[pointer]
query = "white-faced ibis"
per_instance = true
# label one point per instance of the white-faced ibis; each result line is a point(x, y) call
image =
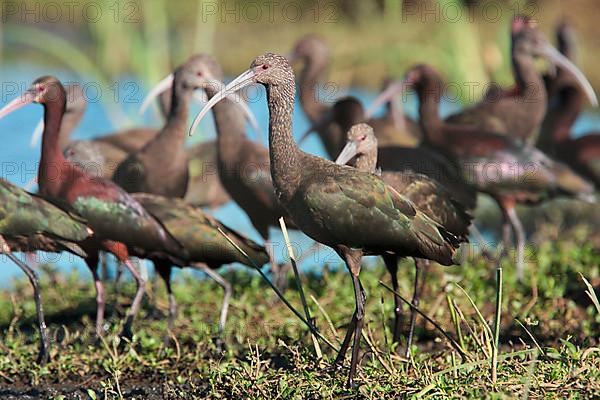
point(29, 223)
point(74, 111)
point(508, 171)
point(520, 114)
point(423, 159)
point(103, 154)
point(207, 248)
point(121, 225)
point(243, 165)
point(566, 101)
point(353, 212)
point(426, 193)
point(161, 165)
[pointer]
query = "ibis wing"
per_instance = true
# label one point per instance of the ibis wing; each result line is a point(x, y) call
point(22, 213)
point(361, 211)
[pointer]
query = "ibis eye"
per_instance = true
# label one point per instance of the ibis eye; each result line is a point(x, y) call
point(265, 66)
point(199, 73)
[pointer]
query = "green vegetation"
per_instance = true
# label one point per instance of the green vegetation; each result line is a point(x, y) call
point(112, 38)
point(549, 346)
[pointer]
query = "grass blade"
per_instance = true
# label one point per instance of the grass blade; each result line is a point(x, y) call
point(290, 250)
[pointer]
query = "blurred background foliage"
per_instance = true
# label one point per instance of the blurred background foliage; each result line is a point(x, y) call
point(108, 39)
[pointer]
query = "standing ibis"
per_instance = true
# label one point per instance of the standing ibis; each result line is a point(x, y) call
point(121, 225)
point(351, 211)
point(426, 193)
point(30, 223)
point(520, 114)
point(566, 102)
point(243, 165)
point(510, 172)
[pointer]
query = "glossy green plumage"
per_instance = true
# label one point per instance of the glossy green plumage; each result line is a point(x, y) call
point(360, 210)
point(198, 233)
point(22, 213)
point(30, 223)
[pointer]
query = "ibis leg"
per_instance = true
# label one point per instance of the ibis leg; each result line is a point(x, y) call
point(421, 266)
point(164, 270)
point(391, 263)
point(339, 360)
point(43, 355)
point(226, 298)
point(359, 297)
point(137, 300)
point(520, 237)
point(92, 263)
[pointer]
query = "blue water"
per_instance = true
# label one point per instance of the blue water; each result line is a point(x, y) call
point(20, 161)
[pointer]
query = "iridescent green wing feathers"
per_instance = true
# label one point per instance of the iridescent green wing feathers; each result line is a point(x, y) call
point(359, 209)
point(198, 233)
point(25, 214)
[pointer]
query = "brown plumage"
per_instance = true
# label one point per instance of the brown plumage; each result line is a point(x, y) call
point(421, 160)
point(243, 165)
point(121, 225)
point(519, 113)
point(427, 194)
point(566, 102)
point(353, 212)
point(497, 165)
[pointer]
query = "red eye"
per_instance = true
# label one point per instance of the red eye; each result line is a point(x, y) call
point(361, 138)
point(199, 74)
point(265, 66)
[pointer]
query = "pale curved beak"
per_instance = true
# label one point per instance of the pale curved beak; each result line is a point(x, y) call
point(202, 97)
point(36, 136)
point(244, 79)
point(348, 152)
point(563, 62)
point(160, 87)
point(389, 94)
point(30, 184)
point(27, 98)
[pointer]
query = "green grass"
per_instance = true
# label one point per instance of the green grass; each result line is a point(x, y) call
point(366, 45)
point(548, 336)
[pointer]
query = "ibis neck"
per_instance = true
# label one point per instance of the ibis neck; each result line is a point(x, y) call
point(366, 162)
point(308, 88)
point(231, 128)
point(570, 103)
point(283, 151)
point(54, 168)
point(174, 131)
point(429, 117)
point(529, 81)
point(70, 120)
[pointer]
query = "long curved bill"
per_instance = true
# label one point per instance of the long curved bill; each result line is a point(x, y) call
point(244, 79)
point(563, 62)
point(30, 184)
point(387, 95)
point(27, 98)
point(37, 133)
point(347, 153)
point(202, 97)
point(160, 87)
